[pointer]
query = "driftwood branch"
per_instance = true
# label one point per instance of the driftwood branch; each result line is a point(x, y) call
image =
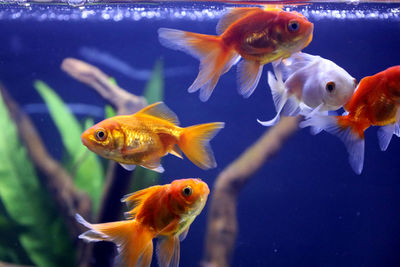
point(125, 102)
point(6, 264)
point(222, 222)
point(118, 179)
point(59, 183)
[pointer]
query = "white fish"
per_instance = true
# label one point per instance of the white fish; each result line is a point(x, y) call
point(307, 84)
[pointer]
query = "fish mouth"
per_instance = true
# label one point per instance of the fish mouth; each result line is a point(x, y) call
point(84, 140)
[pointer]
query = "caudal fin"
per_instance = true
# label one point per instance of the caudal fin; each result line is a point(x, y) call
point(133, 241)
point(215, 57)
point(194, 143)
point(285, 104)
point(343, 128)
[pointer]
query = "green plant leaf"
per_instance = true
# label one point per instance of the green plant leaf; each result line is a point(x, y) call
point(109, 111)
point(86, 167)
point(28, 204)
point(153, 92)
point(11, 249)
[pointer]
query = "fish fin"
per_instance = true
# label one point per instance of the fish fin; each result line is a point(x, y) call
point(147, 256)
point(154, 167)
point(232, 16)
point(342, 128)
point(215, 57)
point(308, 112)
point(176, 151)
point(277, 88)
point(184, 234)
point(194, 142)
point(134, 200)
point(294, 63)
point(314, 111)
point(397, 129)
point(132, 239)
point(249, 73)
point(168, 251)
point(271, 7)
point(128, 167)
point(159, 110)
point(279, 96)
point(385, 134)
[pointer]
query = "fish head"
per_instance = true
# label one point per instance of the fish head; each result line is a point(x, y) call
point(392, 75)
point(103, 138)
point(292, 31)
point(337, 87)
point(188, 196)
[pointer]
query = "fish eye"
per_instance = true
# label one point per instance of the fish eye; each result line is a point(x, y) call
point(100, 135)
point(293, 25)
point(330, 87)
point(187, 191)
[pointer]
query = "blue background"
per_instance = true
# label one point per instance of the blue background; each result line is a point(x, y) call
point(305, 207)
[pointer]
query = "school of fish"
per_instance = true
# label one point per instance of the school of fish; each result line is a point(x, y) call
point(302, 84)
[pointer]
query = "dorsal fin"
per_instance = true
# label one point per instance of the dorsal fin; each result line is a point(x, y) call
point(134, 200)
point(233, 15)
point(160, 110)
point(270, 7)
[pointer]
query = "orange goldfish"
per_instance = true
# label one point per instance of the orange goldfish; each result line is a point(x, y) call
point(149, 134)
point(165, 212)
point(375, 102)
point(257, 35)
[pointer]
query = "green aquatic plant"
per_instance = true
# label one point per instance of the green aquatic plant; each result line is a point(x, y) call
point(86, 167)
point(26, 206)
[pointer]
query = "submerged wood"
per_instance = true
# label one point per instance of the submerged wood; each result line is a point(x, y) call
point(118, 179)
point(6, 264)
point(222, 224)
point(125, 102)
point(68, 199)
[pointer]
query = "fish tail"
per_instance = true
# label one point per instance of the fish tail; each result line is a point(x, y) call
point(348, 130)
point(194, 143)
point(134, 242)
point(215, 57)
point(285, 104)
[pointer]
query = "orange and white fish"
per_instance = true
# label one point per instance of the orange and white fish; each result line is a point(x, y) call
point(162, 211)
point(257, 35)
point(376, 102)
point(149, 134)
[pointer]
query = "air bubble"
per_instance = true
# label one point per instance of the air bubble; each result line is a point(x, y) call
point(76, 3)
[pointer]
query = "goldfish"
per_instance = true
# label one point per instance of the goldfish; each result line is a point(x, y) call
point(149, 134)
point(162, 211)
point(312, 84)
point(375, 102)
point(256, 35)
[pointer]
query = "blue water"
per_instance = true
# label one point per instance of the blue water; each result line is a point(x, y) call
point(305, 207)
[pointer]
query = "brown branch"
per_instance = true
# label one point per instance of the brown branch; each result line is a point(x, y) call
point(118, 179)
point(125, 102)
point(6, 264)
point(222, 222)
point(58, 182)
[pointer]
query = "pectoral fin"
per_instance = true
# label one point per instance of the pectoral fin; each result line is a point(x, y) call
point(128, 167)
point(168, 251)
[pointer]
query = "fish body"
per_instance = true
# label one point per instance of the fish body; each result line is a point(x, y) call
point(375, 102)
point(258, 36)
point(163, 211)
point(146, 136)
point(308, 84)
